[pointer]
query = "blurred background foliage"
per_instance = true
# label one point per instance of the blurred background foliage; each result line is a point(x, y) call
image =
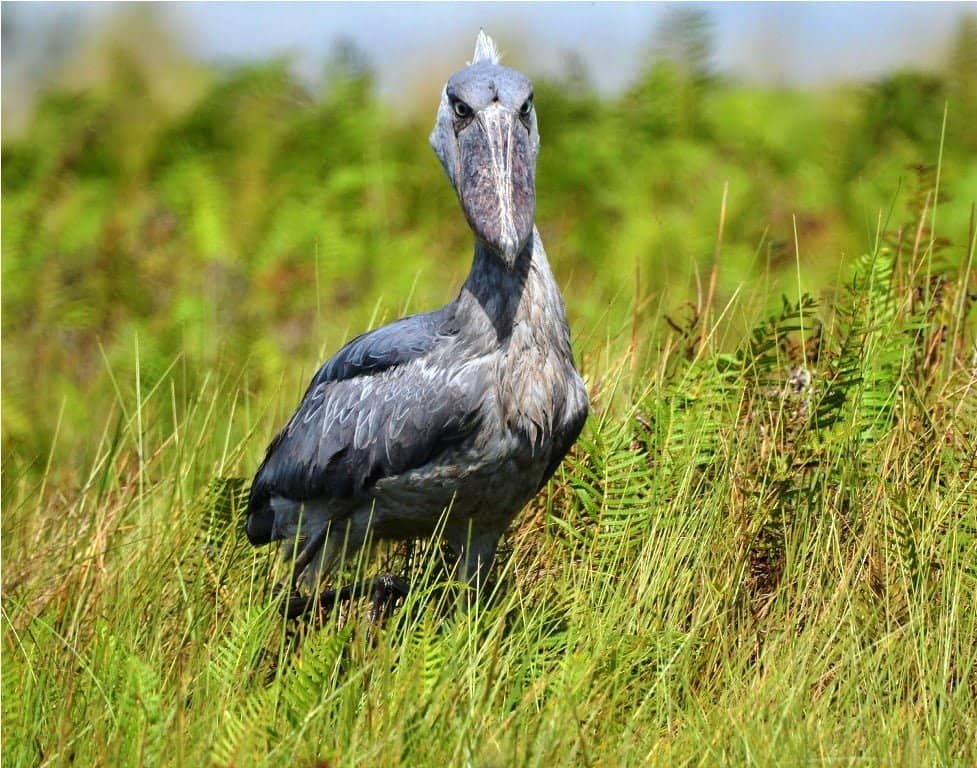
point(235, 224)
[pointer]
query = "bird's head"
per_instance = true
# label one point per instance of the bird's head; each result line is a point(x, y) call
point(487, 140)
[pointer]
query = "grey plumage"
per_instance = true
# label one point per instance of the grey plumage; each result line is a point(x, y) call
point(471, 407)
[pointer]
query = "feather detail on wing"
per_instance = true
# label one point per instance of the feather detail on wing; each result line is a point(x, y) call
point(375, 410)
point(567, 430)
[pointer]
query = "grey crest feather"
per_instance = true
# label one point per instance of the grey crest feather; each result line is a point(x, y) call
point(486, 51)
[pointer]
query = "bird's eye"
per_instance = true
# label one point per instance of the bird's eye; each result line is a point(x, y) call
point(527, 107)
point(462, 110)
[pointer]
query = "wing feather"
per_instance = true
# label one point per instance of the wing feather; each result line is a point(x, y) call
point(375, 410)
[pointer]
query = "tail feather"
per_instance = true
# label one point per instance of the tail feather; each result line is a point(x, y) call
point(260, 522)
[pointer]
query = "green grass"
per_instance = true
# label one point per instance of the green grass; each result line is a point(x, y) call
point(762, 550)
point(728, 570)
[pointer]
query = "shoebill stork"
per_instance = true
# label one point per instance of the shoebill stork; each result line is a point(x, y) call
point(449, 421)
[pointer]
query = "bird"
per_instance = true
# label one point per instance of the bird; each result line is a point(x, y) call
point(446, 422)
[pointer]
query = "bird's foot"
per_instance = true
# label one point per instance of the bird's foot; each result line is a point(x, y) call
point(387, 589)
point(294, 605)
point(384, 591)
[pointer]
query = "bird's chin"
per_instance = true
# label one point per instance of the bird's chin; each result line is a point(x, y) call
point(507, 249)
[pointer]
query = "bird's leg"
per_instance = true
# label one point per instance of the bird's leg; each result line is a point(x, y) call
point(298, 604)
point(475, 558)
point(311, 548)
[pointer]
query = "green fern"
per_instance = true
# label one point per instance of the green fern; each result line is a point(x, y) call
point(313, 674)
point(298, 691)
point(141, 712)
point(235, 655)
point(222, 506)
point(242, 730)
point(611, 489)
point(869, 364)
point(234, 661)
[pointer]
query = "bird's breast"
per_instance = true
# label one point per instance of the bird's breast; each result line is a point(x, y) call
point(532, 379)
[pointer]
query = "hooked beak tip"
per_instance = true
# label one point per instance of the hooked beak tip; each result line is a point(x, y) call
point(510, 251)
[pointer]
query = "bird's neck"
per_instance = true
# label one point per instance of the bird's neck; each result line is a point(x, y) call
point(516, 317)
point(501, 298)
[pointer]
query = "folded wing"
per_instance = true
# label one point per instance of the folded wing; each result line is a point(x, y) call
point(378, 408)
